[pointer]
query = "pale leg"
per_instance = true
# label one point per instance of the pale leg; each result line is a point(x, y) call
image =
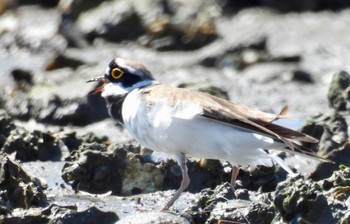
point(234, 174)
point(181, 160)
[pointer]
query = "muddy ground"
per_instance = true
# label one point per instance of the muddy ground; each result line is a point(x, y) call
point(63, 160)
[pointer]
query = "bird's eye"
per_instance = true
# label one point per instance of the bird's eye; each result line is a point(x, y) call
point(116, 73)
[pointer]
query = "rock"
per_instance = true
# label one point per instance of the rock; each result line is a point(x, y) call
point(174, 25)
point(302, 200)
point(339, 179)
point(32, 146)
point(55, 110)
point(76, 7)
point(70, 11)
point(260, 178)
point(112, 21)
point(62, 61)
point(339, 91)
point(18, 188)
point(76, 111)
point(190, 36)
point(73, 142)
point(23, 78)
point(242, 194)
point(38, 145)
point(6, 126)
point(28, 216)
point(91, 169)
point(141, 177)
point(208, 199)
point(71, 31)
point(55, 214)
point(89, 216)
point(324, 201)
point(239, 211)
point(18, 105)
point(244, 55)
point(94, 169)
point(241, 56)
point(302, 76)
point(332, 129)
point(248, 52)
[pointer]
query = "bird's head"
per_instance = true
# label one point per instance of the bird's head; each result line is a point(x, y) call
point(122, 76)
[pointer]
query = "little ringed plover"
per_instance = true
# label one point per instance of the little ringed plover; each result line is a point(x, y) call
point(190, 123)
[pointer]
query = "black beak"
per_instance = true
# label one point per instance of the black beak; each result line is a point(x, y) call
point(97, 79)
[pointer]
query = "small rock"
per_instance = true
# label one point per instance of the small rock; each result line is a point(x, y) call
point(302, 76)
point(240, 211)
point(76, 111)
point(332, 129)
point(19, 188)
point(339, 91)
point(63, 61)
point(259, 177)
point(73, 142)
point(112, 21)
point(6, 126)
point(56, 214)
point(175, 25)
point(32, 146)
point(94, 169)
point(242, 194)
point(23, 78)
point(18, 105)
point(89, 216)
point(208, 199)
point(301, 199)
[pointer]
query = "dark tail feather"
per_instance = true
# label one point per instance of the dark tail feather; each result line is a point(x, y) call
point(304, 151)
point(289, 133)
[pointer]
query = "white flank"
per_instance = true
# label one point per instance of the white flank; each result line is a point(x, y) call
point(181, 129)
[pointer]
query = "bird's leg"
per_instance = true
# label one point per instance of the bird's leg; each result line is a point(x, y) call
point(234, 174)
point(181, 160)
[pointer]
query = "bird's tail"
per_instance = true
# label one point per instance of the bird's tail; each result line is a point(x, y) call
point(301, 158)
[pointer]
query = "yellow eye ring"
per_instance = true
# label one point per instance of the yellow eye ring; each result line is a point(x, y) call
point(116, 73)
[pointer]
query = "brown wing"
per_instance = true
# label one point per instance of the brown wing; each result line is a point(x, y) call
point(253, 120)
point(233, 114)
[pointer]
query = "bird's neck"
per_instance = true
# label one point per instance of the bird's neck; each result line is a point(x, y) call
point(142, 84)
point(115, 95)
point(114, 106)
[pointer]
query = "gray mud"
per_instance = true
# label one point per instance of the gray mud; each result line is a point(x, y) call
point(63, 160)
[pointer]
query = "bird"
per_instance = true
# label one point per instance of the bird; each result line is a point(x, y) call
point(187, 123)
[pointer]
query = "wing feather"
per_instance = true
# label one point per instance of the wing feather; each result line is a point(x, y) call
point(239, 116)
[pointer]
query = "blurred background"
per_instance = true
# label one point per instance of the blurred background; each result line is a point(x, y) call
point(261, 53)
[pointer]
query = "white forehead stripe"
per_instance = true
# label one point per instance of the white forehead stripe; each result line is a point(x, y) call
point(107, 70)
point(122, 63)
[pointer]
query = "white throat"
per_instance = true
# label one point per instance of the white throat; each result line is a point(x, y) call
point(117, 89)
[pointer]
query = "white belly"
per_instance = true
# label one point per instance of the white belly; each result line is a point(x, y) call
point(160, 128)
